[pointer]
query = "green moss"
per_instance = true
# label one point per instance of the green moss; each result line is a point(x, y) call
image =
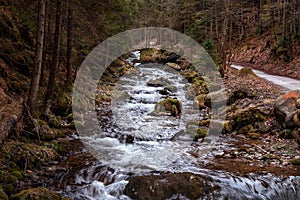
point(37, 194)
point(169, 105)
point(246, 71)
point(60, 148)
point(192, 76)
point(6, 177)
point(3, 195)
point(147, 55)
point(54, 121)
point(227, 127)
point(17, 174)
point(295, 162)
point(205, 122)
point(201, 133)
point(28, 155)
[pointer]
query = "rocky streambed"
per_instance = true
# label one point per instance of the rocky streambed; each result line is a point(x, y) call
point(159, 140)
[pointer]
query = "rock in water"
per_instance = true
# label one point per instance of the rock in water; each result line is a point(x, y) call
point(166, 186)
point(287, 110)
point(158, 82)
point(174, 66)
point(169, 106)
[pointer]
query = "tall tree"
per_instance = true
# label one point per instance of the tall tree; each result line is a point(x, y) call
point(70, 43)
point(34, 85)
point(55, 56)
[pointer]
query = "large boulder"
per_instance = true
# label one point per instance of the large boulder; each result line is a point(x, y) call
point(166, 186)
point(287, 109)
point(205, 100)
point(169, 106)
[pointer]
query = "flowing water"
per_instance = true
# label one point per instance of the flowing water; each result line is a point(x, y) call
point(159, 143)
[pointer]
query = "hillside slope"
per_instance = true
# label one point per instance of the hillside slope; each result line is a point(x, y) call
point(265, 54)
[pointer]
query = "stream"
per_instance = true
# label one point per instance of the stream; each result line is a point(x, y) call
point(160, 143)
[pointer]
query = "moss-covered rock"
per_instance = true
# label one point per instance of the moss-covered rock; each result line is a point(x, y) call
point(6, 177)
point(191, 75)
point(17, 173)
point(54, 121)
point(245, 129)
point(295, 161)
point(37, 194)
point(227, 127)
point(246, 71)
point(165, 186)
point(160, 82)
point(286, 110)
point(174, 66)
point(47, 134)
point(199, 101)
point(247, 116)
point(152, 55)
point(28, 155)
point(201, 133)
point(170, 105)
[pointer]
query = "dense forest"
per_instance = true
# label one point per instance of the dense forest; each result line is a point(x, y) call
point(43, 43)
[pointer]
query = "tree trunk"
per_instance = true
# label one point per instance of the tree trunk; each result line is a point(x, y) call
point(55, 56)
point(70, 44)
point(34, 85)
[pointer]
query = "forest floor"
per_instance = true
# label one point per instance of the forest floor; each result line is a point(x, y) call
point(262, 149)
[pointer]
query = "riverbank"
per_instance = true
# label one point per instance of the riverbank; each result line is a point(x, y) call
point(253, 142)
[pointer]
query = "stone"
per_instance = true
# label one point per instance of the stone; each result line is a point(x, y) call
point(295, 161)
point(247, 116)
point(174, 66)
point(286, 110)
point(54, 121)
point(201, 133)
point(245, 129)
point(216, 99)
point(246, 71)
point(199, 101)
point(298, 103)
point(160, 82)
point(169, 105)
point(129, 139)
point(165, 186)
point(262, 127)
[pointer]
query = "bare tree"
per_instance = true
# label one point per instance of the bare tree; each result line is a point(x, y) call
point(55, 57)
point(70, 43)
point(34, 85)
